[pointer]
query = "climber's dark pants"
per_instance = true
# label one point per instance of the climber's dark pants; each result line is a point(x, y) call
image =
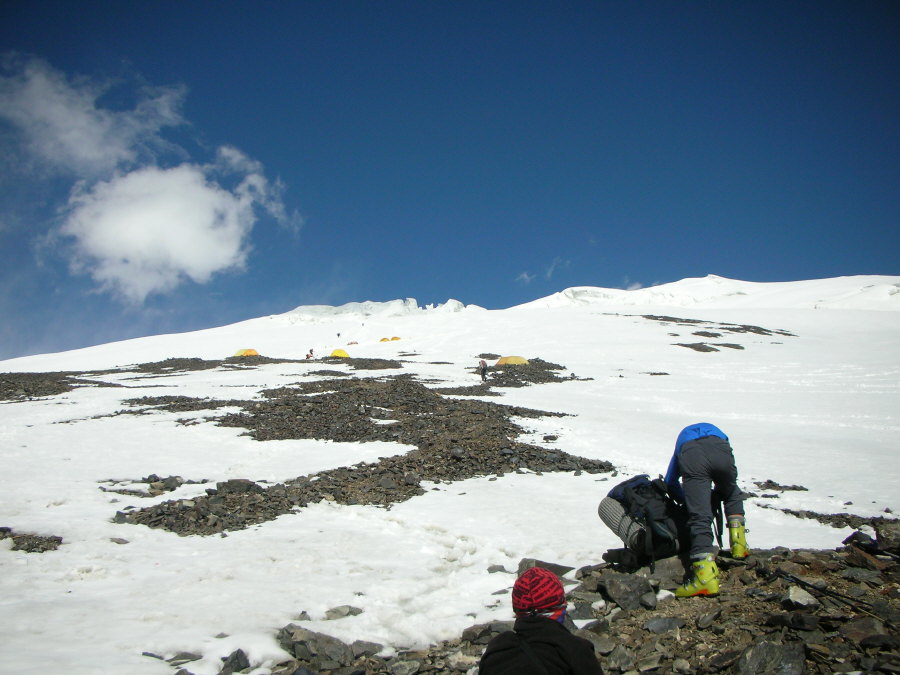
point(703, 463)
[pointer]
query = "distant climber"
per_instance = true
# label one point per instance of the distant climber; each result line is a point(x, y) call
point(539, 642)
point(482, 369)
point(309, 354)
point(703, 458)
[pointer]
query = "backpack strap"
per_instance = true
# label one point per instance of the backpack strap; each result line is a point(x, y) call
point(529, 652)
point(639, 514)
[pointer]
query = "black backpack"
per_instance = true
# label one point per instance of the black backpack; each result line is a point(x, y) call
point(663, 521)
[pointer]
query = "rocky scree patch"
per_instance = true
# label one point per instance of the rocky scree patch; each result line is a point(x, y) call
point(29, 542)
point(25, 386)
point(536, 371)
point(716, 331)
point(454, 440)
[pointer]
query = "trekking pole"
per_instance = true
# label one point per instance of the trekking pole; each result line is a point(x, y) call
point(846, 599)
point(826, 591)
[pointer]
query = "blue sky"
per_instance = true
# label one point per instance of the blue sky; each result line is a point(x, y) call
point(169, 166)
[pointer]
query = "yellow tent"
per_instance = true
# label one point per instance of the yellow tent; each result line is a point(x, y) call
point(385, 340)
point(511, 361)
point(246, 352)
point(395, 338)
point(340, 353)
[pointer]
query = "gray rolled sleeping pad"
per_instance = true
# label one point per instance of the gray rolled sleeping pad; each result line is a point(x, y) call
point(626, 528)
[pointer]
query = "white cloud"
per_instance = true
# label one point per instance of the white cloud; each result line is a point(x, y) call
point(629, 285)
point(525, 278)
point(62, 127)
point(556, 264)
point(135, 226)
point(147, 231)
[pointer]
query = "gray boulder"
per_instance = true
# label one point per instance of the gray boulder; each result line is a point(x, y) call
point(772, 658)
point(626, 590)
point(322, 651)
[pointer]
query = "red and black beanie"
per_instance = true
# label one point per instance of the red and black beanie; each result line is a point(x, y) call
point(537, 591)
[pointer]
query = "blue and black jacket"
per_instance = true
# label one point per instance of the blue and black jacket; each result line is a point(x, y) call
point(691, 433)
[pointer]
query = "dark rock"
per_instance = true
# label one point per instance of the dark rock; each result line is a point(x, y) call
point(770, 658)
point(172, 482)
point(860, 629)
point(365, 648)
point(481, 634)
point(704, 621)
point(887, 535)
point(581, 611)
point(603, 643)
point(235, 662)
point(859, 558)
point(880, 642)
point(770, 484)
point(405, 667)
point(527, 563)
point(860, 574)
point(599, 626)
point(797, 620)
point(862, 540)
point(625, 590)
point(667, 573)
point(798, 598)
point(649, 662)
point(319, 650)
point(388, 483)
point(697, 346)
point(341, 612)
point(662, 624)
point(723, 659)
point(648, 600)
point(184, 657)
point(681, 666)
point(620, 658)
point(887, 611)
point(237, 486)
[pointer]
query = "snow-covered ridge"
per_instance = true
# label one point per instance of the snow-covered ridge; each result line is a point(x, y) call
point(868, 292)
point(316, 313)
point(323, 327)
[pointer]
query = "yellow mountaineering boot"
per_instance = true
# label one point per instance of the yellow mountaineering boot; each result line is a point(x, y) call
point(705, 581)
point(737, 538)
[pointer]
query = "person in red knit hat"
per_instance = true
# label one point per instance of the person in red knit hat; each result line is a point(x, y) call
point(539, 643)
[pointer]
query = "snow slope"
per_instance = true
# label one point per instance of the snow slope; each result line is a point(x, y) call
point(814, 402)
